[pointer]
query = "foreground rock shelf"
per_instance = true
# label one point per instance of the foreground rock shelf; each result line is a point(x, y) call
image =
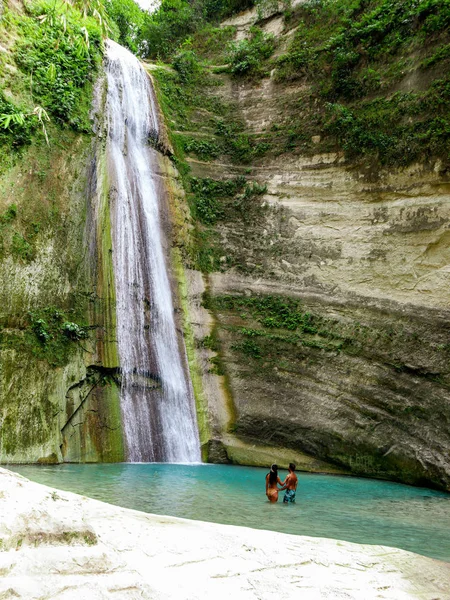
point(63, 546)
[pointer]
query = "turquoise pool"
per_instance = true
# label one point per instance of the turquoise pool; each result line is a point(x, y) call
point(366, 511)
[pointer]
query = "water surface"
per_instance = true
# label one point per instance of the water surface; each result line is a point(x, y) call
point(366, 511)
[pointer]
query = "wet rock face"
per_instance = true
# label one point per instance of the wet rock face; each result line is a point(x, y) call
point(357, 386)
point(58, 357)
point(366, 255)
point(364, 250)
point(368, 388)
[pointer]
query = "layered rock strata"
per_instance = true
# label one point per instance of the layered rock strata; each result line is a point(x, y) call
point(362, 252)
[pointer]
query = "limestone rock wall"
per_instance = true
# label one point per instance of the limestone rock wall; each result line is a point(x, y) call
point(58, 393)
point(363, 250)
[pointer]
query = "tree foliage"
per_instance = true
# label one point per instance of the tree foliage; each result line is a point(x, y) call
point(126, 19)
point(164, 30)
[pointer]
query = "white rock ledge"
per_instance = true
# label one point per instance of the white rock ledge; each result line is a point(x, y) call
point(63, 546)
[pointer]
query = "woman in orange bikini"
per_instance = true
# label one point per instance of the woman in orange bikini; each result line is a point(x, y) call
point(272, 480)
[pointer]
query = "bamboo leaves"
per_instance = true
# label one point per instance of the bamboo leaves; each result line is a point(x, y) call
point(9, 121)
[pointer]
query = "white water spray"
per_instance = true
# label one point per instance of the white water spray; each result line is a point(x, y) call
point(156, 397)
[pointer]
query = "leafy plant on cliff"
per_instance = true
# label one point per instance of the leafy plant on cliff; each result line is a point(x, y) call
point(16, 124)
point(209, 195)
point(51, 336)
point(203, 149)
point(187, 65)
point(354, 56)
point(74, 331)
point(247, 56)
point(61, 50)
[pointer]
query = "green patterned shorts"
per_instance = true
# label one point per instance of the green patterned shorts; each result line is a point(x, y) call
point(289, 496)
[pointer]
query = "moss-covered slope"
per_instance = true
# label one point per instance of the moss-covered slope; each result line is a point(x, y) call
point(58, 373)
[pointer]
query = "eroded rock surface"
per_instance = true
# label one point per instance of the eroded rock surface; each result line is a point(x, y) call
point(363, 250)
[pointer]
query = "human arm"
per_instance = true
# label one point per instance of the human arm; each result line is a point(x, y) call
point(282, 483)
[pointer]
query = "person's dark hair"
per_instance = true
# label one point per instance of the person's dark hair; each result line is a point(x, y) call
point(292, 466)
point(273, 475)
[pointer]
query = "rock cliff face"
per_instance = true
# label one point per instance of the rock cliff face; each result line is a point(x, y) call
point(367, 386)
point(355, 373)
point(314, 294)
point(58, 357)
point(58, 393)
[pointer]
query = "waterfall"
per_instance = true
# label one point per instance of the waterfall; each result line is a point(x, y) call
point(156, 397)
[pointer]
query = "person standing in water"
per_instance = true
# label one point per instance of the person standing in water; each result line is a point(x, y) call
point(272, 481)
point(290, 485)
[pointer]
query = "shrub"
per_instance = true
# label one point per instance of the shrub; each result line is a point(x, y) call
point(61, 50)
point(16, 129)
point(204, 149)
point(208, 197)
point(245, 57)
point(187, 65)
point(249, 348)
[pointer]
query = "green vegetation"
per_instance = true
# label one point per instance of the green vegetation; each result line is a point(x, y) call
point(272, 312)
point(12, 241)
point(175, 21)
point(280, 325)
point(16, 126)
point(247, 56)
point(212, 201)
point(393, 128)
point(61, 50)
point(47, 335)
point(210, 42)
point(54, 49)
point(278, 328)
point(201, 148)
point(215, 200)
point(125, 20)
point(354, 55)
point(185, 95)
point(345, 43)
point(50, 336)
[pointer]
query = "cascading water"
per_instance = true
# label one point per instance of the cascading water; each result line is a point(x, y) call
point(156, 398)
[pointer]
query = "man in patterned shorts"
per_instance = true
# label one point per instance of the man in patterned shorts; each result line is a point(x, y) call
point(290, 485)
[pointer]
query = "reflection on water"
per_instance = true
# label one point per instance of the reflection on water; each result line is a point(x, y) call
point(358, 510)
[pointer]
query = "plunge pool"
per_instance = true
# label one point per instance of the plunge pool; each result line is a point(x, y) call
point(366, 511)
